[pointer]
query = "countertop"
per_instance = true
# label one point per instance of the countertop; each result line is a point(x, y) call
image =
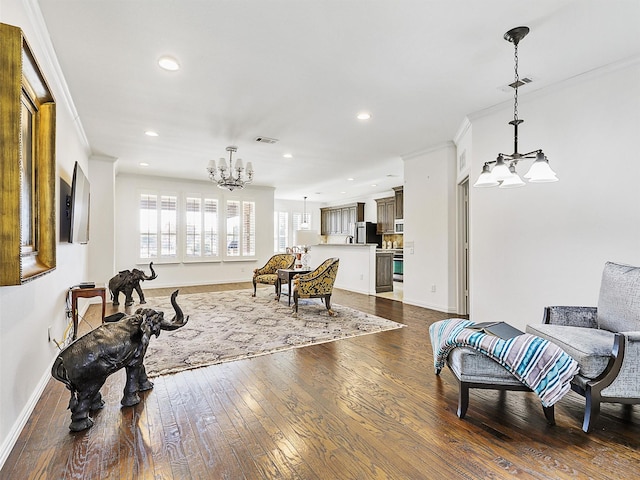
point(346, 245)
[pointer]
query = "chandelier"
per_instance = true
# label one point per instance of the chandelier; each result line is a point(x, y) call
point(233, 179)
point(503, 173)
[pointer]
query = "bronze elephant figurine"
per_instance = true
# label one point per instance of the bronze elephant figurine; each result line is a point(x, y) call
point(126, 281)
point(121, 342)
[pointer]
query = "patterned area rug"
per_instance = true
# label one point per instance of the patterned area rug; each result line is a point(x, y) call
point(232, 325)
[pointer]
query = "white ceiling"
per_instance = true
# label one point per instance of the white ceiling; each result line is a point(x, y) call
point(300, 70)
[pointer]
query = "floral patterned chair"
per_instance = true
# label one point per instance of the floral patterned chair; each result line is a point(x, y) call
point(316, 284)
point(269, 273)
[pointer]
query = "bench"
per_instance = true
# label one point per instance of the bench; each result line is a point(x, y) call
point(475, 370)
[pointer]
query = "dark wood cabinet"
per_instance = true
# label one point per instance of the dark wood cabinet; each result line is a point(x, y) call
point(325, 221)
point(399, 191)
point(386, 214)
point(384, 271)
point(341, 220)
point(389, 209)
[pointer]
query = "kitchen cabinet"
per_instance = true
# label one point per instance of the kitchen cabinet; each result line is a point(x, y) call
point(325, 221)
point(399, 196)
point(386, 214)
point(384, 271)
point(390, 209)
point(341, 219)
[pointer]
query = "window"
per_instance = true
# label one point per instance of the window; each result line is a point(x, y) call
point(281, 231)
point(285, 225)
point(148, 226)
point(240, 227)
point(158, 226)
point(193, 224)
point(201, 224)
point(210, 220)
point(193, 230)
point(168, 225)
point(249, 229)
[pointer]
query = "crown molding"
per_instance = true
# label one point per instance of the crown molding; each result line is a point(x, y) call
point(431, 149)
point(55, 74)
point(555, 87)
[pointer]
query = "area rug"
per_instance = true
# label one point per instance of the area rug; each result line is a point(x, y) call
point(233, 325)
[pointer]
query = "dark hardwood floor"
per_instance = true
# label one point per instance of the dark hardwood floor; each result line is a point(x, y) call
point(369, 407)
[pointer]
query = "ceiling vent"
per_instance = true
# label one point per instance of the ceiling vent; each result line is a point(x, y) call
point(266, 140)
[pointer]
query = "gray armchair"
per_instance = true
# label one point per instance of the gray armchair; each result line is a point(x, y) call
point(605, 341)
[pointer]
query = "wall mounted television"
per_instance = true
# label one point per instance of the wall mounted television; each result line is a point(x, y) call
point(79, 206)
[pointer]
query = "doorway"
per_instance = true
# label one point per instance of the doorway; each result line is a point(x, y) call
point(463, 247)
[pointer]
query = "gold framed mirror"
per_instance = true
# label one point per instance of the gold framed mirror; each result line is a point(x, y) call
point(27, 163)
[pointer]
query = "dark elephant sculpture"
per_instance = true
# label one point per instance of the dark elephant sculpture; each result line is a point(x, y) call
point(122, 341)
point(126, 282)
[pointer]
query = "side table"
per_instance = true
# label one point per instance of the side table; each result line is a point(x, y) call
point(286, 275)
point(85, 293)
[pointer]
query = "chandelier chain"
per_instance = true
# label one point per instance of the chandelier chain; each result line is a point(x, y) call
point(503, 173)
point(516, 84)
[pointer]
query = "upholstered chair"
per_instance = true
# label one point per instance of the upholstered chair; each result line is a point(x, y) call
point(316, 284)
point(604, 340)
point(269, 273)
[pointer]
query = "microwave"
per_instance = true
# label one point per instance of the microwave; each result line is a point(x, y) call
point(398, 226)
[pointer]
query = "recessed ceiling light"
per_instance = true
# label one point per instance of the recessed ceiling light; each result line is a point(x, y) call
point(349, 179)
point(374, 185)
point(168, 63)
point(151, 133)
point(287, 155)
point(343, 192)
point(143, 164)
point(364, 116)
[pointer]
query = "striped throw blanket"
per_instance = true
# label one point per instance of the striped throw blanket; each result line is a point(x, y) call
point(537, 363)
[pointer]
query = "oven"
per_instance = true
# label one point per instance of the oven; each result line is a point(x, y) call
point(398, 267)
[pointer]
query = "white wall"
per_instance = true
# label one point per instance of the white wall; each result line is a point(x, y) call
point(357, 268)
point(546, 244)
point(102, 246)
point(28, 310)
point(127, 190)
point(430, 228)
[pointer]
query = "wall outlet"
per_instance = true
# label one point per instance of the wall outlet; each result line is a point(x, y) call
point(433, 288)
point(362, 276)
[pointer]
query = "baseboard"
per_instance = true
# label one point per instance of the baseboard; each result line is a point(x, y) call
point(11, 439)
point(21, 421)
point(438, 308)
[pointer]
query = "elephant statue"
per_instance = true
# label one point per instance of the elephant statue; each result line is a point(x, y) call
point(126, 282)
point(84, 365)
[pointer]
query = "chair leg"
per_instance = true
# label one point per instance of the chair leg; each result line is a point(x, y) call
point(327, 301)
point(591, 410)
point(549, 414)
point(463, 399)
point(254, 288)
point(295, 303)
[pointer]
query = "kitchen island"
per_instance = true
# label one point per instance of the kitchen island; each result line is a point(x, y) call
point(357, 269)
